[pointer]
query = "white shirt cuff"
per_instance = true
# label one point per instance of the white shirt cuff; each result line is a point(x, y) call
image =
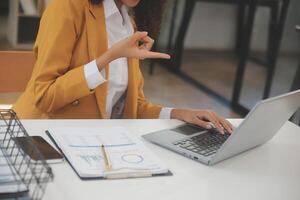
point(165, 113)
point(92, 75)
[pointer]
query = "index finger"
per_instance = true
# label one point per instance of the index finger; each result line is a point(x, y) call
point(152, 54)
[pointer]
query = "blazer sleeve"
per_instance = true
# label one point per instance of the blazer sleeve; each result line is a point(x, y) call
point(146, 110)
point(55, 85)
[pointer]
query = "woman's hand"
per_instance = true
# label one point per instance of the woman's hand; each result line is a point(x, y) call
point(136, 46)
point(204, 118)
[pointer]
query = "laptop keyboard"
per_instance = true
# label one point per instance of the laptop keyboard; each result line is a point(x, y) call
point(204, 144)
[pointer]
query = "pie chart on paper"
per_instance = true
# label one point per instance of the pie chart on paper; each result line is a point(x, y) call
point(132, 158)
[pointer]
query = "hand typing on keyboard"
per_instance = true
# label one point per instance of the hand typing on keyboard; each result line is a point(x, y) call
point(204, 118)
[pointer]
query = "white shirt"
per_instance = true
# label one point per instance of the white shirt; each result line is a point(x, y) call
point(118, 27)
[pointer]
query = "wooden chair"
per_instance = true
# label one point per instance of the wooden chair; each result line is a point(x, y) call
point(15, 71)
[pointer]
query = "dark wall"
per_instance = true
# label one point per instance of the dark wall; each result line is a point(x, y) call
point(4, 7)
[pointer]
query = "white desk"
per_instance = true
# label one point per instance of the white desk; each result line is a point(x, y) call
point(271, 171)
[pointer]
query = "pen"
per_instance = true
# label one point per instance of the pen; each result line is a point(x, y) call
point(106, 159)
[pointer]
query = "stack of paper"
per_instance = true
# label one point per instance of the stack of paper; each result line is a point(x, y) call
point(128, 155)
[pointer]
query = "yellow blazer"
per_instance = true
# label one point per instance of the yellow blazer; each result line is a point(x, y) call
point(73, 33)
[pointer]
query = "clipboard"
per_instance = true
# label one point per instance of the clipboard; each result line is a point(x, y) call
point(141, 174)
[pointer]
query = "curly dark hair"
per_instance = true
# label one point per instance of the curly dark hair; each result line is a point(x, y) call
point(147, 15)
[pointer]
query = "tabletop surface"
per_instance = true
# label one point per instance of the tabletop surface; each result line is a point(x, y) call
point(271, 171)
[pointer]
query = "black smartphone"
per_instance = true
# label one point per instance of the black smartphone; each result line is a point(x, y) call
point(49, 153)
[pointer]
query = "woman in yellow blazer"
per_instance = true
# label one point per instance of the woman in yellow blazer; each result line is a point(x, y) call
point(72, 33)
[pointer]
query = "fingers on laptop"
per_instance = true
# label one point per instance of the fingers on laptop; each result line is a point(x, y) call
point(211, 120)
point(226, 124)
point(212, 117)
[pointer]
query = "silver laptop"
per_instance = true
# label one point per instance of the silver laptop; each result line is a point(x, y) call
point(210, 147)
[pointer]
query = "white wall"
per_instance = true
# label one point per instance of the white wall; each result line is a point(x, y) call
point(212, 26)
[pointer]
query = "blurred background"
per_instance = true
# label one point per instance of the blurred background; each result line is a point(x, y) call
point(226, 54)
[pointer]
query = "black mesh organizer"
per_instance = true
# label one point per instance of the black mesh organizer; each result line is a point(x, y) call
point(20, 176)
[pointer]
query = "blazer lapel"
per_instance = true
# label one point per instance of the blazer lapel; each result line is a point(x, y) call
point(97, 45)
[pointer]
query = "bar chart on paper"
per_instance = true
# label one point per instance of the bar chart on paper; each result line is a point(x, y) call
point(82, 147)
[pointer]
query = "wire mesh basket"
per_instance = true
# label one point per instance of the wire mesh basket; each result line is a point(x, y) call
point(21, 177)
